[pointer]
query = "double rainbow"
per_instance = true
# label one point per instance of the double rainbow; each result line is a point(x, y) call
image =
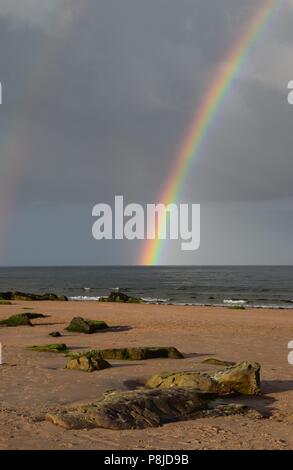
point(200, 125)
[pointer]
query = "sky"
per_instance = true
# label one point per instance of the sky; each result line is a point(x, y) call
point(97, 97)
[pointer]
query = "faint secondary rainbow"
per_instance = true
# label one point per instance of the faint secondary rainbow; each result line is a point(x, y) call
point(198, 129)
point(18, 137)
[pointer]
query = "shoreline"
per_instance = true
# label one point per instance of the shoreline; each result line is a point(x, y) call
point(229, 304)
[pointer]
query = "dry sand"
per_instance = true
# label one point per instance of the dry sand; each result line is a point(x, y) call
point(33, 383)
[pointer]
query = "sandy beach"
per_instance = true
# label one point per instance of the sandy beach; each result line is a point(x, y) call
point(33, 383)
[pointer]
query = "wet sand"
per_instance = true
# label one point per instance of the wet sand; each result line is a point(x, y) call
point(32, 383)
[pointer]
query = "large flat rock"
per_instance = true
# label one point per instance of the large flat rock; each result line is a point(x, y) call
point(145, 408)
point(242, 378)
point(141, 353)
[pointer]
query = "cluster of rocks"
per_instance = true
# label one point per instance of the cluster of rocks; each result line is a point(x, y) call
point(90, 361)
point(14, 295)
point(77, 324)
point(154, 404)
point(165, 397)
point(117, 296)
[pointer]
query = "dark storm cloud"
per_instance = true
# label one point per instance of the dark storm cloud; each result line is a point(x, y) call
point(103, 95)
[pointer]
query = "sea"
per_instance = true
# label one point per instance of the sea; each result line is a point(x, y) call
point(250, 286)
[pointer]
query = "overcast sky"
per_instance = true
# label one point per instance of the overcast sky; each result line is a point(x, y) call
point(97, 96)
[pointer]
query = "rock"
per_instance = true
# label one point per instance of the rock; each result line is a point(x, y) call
point(230, 409)
point(195, 380)
point(237, 307)
point(22, 296)
point(33, 316)
point(88, 362)
point(243, 378)
point(56, 348)
point(55, 334)
point(22, 319)
point(144, 408)
point(117, 296)
point(140, 353)
point(16, 320)
point(82, 325)
point(218, 362)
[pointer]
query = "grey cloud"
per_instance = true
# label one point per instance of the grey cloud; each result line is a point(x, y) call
point(100, 99)
point(50, 16)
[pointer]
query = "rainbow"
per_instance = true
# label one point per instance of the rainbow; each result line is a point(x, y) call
point(200, 125)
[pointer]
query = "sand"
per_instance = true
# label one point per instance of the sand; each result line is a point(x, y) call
point(33, 383)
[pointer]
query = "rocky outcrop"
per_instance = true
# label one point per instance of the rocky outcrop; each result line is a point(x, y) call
point(117, 296)
point(87, 362)
point(82, 325)
point(144, 408)
point(140, 353)
point(16, 320)
point(56, 348)
point(243, 378)
point(23, 296)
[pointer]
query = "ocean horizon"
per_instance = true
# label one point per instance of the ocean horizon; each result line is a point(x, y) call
point(250, 286)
